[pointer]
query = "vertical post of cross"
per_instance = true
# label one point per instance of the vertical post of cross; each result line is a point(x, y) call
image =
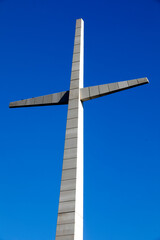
point(70, 212)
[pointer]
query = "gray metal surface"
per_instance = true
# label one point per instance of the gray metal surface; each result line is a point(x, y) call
point(51, 99)
point(89, 93)
point(70, 211)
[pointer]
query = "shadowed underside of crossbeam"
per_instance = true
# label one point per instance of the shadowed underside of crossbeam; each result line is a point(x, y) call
point(86, 94)
point(51, 99)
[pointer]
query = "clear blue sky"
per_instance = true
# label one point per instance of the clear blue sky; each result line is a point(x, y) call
point(122, 131)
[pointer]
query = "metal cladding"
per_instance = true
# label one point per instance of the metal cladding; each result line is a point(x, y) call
point(70, 211)
point(51, 99)
point(89, 93)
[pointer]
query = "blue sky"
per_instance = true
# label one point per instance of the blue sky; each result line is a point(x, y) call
point(121, 131)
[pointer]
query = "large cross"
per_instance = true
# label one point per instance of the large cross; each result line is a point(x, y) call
point(70, 211)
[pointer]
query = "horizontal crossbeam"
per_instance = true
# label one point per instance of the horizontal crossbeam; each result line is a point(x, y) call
point(89, 93)
point(51, 99)
point(86, 94)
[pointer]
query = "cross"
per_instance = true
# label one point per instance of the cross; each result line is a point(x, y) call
point(70, 211)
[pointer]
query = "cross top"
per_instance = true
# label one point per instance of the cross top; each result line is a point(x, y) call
point(70, 211)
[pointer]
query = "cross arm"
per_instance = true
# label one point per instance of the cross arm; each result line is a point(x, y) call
point(51, 99)
point(89, 93)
